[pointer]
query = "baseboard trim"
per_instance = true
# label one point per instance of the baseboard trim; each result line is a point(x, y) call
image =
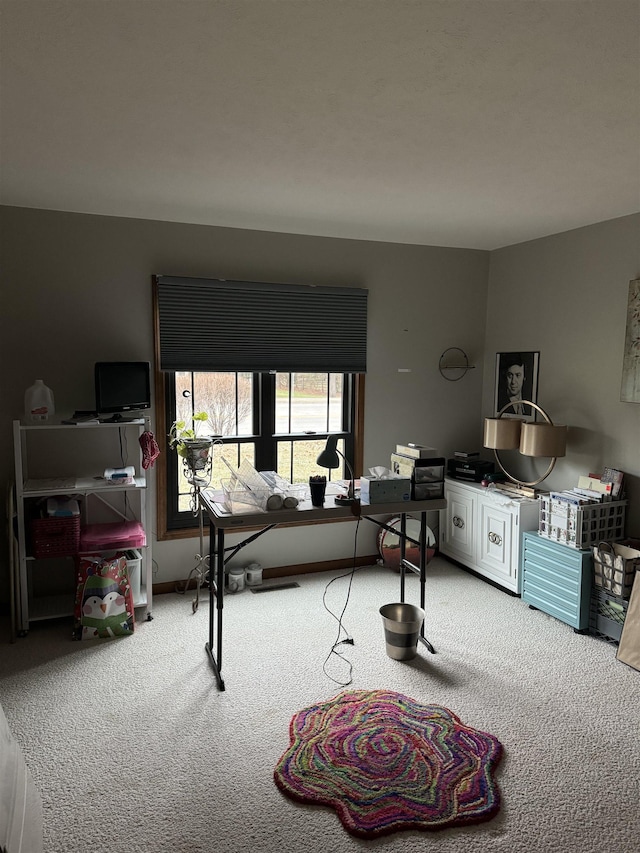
point(284, 571)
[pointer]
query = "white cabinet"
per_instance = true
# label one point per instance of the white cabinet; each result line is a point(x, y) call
point(70, 460)
point(458, 537)
point(482, 530)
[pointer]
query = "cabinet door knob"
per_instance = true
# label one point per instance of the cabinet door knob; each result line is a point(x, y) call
point(495, 538)
point(458, 522)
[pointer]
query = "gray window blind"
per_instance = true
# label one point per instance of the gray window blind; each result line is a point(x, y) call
point(218, 325)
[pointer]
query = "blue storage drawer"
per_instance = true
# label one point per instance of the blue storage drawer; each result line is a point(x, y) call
point(557, 579)
point(560, 582)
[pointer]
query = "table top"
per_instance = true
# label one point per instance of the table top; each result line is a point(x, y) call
point(305, 512)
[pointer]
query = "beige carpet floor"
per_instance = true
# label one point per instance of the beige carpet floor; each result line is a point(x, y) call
point(134, 749)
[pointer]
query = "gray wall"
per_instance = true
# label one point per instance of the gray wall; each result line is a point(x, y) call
point(77, 289)
point(566, 296)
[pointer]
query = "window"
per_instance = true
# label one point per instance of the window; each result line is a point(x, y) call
point(278, 366)
point(276, 421)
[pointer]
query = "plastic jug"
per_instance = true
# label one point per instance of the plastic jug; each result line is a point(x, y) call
point(38, 403)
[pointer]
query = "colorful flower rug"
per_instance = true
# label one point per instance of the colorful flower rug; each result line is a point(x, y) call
point(386, 763)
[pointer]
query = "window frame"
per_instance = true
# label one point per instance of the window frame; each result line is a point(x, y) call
point(173, 525)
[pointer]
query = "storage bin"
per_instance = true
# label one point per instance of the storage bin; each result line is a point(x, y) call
point(418, 470)
point(134, 568)
point(614, 567)
point(240, 501)
point(55, 537)
point(427, 491)
point(607, 615)
point(581, 526)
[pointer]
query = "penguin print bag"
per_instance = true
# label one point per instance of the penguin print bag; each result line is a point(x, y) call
point(104, 601)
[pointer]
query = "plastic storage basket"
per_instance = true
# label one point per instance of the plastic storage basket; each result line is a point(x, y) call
point(240, 501)
point(134, 567)
point(607, 615)
point(581, 526)
point(246, 491)
point(55, 537)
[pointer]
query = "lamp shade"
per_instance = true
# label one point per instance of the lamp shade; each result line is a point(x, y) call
point(543, 439)
point(329, 457)
point(502, 433)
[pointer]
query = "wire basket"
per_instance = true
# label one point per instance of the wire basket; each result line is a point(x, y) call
point(614, 567)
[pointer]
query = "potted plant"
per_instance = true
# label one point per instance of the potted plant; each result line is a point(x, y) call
point(194, 449)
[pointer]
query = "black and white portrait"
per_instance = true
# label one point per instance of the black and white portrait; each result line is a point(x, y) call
point(517, 380)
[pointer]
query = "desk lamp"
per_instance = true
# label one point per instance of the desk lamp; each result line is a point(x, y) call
point(531, 439)
point(329, 458)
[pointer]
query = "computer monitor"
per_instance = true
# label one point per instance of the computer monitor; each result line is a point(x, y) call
point(122, 386)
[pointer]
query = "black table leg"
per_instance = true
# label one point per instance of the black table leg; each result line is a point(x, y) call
point(216, 601)
point(403, 552)
point(423, 576)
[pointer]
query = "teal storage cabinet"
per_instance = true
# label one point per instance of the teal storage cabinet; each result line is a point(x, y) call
point(557, 579)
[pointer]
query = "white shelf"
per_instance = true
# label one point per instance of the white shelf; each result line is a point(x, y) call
point(85, 485)
point(74, 459)
point(50, 607)
point(59, 425)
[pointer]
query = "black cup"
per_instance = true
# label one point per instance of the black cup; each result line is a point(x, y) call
point(317, 487)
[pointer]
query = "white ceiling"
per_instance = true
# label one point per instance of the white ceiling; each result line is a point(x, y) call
point(478, 123)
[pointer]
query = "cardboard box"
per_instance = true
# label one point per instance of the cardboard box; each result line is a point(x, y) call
point(393, 490)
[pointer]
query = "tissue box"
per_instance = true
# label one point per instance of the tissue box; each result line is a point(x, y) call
point(392, 490)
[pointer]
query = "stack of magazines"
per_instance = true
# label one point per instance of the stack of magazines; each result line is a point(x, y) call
point(593, 489)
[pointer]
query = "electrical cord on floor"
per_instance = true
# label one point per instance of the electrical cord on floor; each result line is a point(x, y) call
point(347, 640)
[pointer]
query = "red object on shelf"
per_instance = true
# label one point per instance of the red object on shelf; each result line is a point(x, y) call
point(118, 534)
point(55, 537)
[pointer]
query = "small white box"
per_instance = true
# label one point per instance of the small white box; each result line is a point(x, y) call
point(390, 490)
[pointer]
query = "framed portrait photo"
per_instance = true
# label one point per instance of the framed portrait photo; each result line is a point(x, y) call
point(516, 380)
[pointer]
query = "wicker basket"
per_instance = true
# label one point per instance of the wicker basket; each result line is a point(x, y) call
point(55, 537)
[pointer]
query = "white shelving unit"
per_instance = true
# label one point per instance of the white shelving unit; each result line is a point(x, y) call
point(70, 459)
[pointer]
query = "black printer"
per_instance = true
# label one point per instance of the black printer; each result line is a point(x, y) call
point(472, 470)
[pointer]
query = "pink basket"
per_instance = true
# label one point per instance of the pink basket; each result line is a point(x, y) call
point(55, 537)
point(112, 536)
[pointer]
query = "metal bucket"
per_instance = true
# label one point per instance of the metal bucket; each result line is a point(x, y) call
point(402, 624)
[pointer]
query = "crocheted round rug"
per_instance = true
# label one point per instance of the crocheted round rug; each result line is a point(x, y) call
point(386, 763)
